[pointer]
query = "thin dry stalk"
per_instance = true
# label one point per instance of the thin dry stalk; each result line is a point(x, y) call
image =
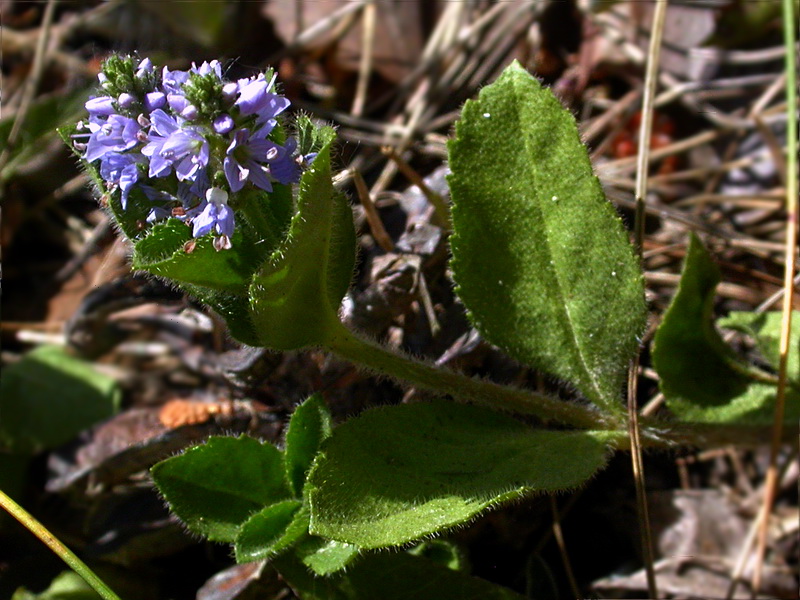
point(32, 86)
point(371, 213)
point(791, 175)
point(642, 167)
point(368, 20)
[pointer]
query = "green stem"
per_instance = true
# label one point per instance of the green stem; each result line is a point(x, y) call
point(444, 381)
point(69, 557)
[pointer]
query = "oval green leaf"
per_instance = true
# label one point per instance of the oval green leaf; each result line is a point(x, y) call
point(414, 470)
point(309, 426)
point(270, 531)
point(541, 260)
point(216, 487)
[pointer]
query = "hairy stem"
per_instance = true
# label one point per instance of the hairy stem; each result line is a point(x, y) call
point(405, 368)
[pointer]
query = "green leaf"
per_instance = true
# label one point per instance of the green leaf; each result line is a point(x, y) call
point(415, 470)
point(542, 261)
point(234, 308)
point(390, 576)
point(162, 253)
point(296, 295)
point(49, 396)
point(271, 530)
point(765, 328)
point(216, 487)
point(446, 553)
point(324, 557)
point(701, 377)
point(66, 586)
point(309, 426)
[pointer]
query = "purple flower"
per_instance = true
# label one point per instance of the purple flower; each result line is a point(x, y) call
point(255, 99)
point(208, 67)
point(283, 167)
point(185, 149)
point(126, 100)
point(223, 124)
point(145, 68)
point(190, 198)
point(117, 134)
point(215, 217)
point(172, 81)
point(154, 100)
point(121, 169)
point(102, 106)
point(243, 157)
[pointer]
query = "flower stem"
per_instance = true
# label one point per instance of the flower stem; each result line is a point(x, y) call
point(405, 368)
point(69, 557)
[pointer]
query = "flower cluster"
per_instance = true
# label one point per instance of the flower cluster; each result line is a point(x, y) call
point(214, 136)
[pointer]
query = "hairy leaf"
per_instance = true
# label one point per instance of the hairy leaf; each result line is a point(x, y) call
point(324, 557)
point(309, 426)
point(216, 487)
point(271, 530)
point(414, 470)
point(701, 377)
point(295, 296)
point(542, 261)
point(765, 328)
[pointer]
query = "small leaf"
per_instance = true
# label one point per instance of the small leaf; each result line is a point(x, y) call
point(296, 295)
point(48, 397)
point(161, 252)
point(765, 328)
point(542, 261)
point(215, 487)
point(414, 470)
point(271, 531)
point(324, 557)
point(68, 585)
point(701, 378)
point(309, 426)
point(390, 576)
point(446, 553)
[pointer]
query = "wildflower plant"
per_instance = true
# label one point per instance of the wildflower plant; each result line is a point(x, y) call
point(221, 194)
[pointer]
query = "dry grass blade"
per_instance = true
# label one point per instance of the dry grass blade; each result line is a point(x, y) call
point(642, 164)
point(791, 176)
point(32, 84)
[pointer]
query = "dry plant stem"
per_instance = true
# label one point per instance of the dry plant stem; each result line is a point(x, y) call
point(365, 66)
point(642, 167)
point(562, 548)
point(32, 84)
point(373, 218)
point(69, 557)
point(436, 200)
point(771, 483)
